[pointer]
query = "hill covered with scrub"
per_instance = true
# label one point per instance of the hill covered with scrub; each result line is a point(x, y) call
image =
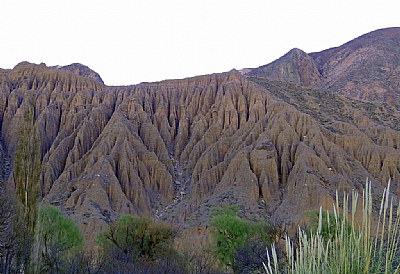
point(276, 141)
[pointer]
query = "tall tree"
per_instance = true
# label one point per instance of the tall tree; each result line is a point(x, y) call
point(27, 167)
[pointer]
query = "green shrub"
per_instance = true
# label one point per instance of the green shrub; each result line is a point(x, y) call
point(138, 245)
point(136, 237)
point(230, 232)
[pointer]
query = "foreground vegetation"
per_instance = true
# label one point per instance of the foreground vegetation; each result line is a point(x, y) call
point(344, 243)
point(346, 240)
point(54, 247)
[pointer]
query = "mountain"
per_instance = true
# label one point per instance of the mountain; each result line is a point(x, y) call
point(365, 68)
point(276, 146)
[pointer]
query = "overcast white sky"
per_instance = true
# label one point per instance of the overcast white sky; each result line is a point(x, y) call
point(131, 41)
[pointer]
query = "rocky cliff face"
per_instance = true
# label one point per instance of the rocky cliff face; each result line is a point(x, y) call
point(365, 68)
point(295, 67)
point(171, 150)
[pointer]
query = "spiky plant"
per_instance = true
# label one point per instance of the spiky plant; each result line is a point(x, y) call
point(369, 246)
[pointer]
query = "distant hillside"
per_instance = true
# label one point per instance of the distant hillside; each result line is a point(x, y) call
point(366, 68)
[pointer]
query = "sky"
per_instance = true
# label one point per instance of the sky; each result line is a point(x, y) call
point(132, 41)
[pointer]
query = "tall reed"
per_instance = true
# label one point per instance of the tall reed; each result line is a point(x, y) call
point(369, 245)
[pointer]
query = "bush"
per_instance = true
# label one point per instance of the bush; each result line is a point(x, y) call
point(230, 232)
point(138, 245)
point(136, 237)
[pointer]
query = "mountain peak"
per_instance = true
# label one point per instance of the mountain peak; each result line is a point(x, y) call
point(295, 67)
point(82, 70)
point(296, 51)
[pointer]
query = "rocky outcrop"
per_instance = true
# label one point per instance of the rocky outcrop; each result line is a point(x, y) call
point(295, 67)
point(82, 70)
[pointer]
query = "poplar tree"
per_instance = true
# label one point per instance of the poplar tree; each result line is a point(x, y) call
point(27, 168)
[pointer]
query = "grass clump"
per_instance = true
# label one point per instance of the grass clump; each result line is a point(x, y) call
point(342, 244)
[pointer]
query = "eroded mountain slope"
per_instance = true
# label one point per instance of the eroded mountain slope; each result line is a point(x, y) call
point(172, 149)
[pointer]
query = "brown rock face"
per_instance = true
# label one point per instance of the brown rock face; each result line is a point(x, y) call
point(295, 67)
point(171, 150)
